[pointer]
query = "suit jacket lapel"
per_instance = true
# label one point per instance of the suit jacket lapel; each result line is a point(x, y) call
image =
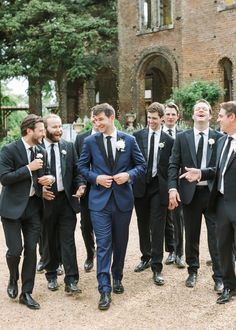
point(100, 142)
point(145, 143)
point(120, 136)
point(211, 135)
point(162, 140)
point(220, 148)
point(62, 146)
point(22, 151)
point(191, 143)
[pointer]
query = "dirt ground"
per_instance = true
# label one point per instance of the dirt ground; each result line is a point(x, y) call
point(142, 306)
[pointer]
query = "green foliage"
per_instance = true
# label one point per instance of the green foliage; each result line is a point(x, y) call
point(187, 95)
point(14, 122)
point(44, 38)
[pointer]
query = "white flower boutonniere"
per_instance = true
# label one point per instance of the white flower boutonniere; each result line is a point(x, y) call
point(120, 145)
point(161, 145)
point(63, 152)
point(211, 142)
point(39, 155)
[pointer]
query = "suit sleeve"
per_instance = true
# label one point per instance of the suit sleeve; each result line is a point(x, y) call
point(139, 163)
point(8, 172)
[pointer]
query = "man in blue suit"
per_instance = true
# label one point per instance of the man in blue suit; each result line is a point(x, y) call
point(110, 161)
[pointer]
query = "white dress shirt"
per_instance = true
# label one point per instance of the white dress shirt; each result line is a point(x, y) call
point(60, 186)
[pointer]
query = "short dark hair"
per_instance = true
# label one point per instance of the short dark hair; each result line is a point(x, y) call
point(30, 121)
point(103, 107)
point(156, 107)
point(172, 105)
point(203, 101)
point(229, 107)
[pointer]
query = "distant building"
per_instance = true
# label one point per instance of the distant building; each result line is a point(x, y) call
point(168, 43)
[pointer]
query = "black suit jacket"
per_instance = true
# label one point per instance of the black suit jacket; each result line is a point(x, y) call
point(70, 177)
point(229, 182)
point(140, 186)
point(79, 141)
point(16, 178)
point(184, 154)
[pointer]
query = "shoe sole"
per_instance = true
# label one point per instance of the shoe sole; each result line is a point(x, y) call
point(53, 289)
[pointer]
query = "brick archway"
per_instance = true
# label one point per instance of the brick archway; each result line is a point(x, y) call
point(159, 64)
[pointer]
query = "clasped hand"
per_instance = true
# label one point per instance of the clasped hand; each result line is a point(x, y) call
point(106, 180)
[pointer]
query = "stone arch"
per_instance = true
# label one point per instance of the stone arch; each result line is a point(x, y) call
point(226, 77)
point(159, 63)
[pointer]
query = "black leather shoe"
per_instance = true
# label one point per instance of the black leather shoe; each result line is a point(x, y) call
point(12, 289)
point(179, 261)
point(88, 265)
point(191, 280)
point(26, 299)
point(40, 267)
point(142, 266)
point(72, 288)
point(53, 285)
point(118, 286)
point(219, 286)
point(60, 270)
point(170, 259)
point(158, 279)
point(104, 302)
point(225, 297)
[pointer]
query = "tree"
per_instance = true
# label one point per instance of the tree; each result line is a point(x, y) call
point(187, 95)
point(55, 40)
point(47, 37)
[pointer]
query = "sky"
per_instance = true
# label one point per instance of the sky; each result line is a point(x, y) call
point(18, 86)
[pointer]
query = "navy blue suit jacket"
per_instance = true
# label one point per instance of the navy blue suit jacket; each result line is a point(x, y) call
point(93, 162)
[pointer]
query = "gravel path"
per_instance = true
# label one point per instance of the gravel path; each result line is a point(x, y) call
point(142, 306)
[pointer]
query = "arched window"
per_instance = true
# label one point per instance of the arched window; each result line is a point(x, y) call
point(226, 68)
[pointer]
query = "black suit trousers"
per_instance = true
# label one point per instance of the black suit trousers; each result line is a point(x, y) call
point(59, 223)
point(226, 234)
point(151, 216)
point(193, 213)
point(28, 227)
point(87, 227)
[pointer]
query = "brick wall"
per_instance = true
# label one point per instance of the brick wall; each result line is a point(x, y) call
point(201, 36)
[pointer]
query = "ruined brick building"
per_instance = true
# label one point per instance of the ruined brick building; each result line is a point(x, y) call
point(168, 43)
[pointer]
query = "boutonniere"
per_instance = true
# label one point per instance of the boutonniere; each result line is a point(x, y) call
point(39, 155)
point(161, 145)
point(120, 145)
point(64, 152)
point(211, 142)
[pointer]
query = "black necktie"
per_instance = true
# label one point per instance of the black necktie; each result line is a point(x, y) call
point(109, 151)
point(150, 158)
point(170, 132)
point(32, 154)
point(53, 168)
point(200, 149)
point(223, 161)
